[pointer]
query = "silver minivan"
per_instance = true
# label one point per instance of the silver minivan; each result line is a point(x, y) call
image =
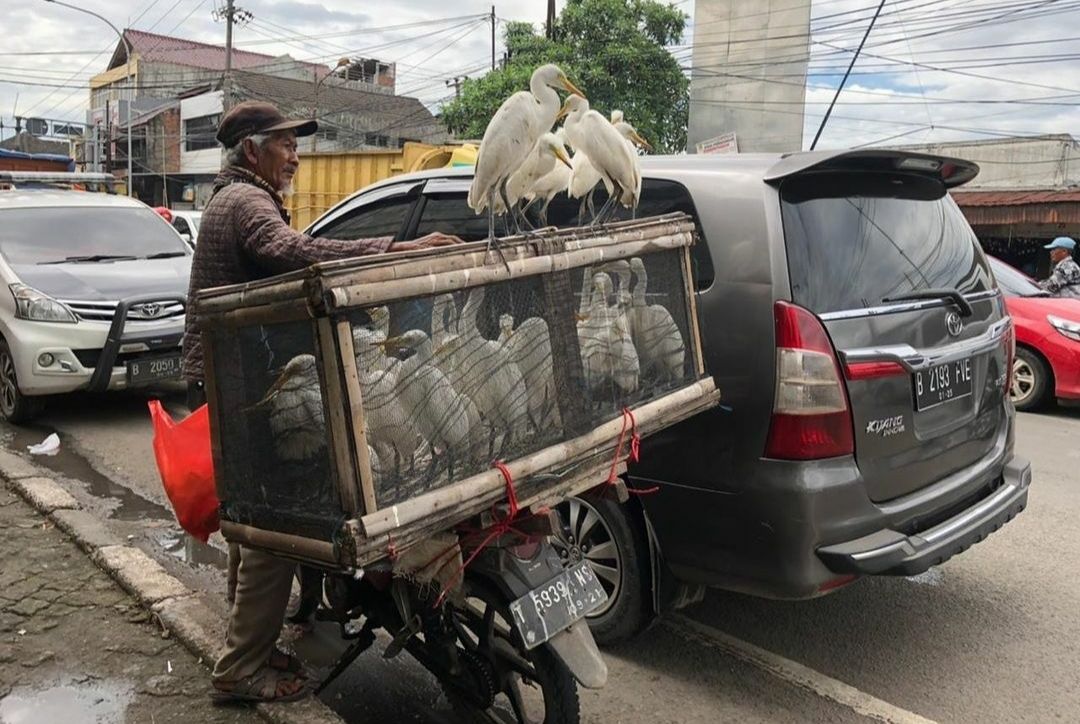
point(855, 330)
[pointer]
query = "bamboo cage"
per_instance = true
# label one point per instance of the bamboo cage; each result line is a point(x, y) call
point(356, 407)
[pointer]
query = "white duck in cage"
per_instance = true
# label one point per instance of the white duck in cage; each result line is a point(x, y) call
point(656, 335)
point(296, 418)
point(529, 347)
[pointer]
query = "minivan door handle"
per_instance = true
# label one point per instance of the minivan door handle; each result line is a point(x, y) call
point(952, 295)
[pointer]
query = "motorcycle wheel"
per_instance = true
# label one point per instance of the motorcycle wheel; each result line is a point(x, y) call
point(519, 686)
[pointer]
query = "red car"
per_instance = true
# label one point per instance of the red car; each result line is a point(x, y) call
point(1047, 364)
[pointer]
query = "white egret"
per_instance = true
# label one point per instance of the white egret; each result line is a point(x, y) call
point(548, 152)
point(530, 349)
point(608, 154)
point(510, 136)
point(657, 337)
point(551, 184)
point(607, 350)
point(389, 431)
point(446, 342)
point(431, 404)
point(297, 422)
point(490, 378)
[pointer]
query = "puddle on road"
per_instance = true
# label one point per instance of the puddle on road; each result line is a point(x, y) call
point(123, 504)
point(100, 702)
point(72, 465)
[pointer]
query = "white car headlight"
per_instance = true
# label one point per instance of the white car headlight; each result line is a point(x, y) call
point(1067, 327)
point(38, 307)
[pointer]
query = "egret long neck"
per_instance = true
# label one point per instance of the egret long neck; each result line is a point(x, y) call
point(639, 287)
point(548, 101)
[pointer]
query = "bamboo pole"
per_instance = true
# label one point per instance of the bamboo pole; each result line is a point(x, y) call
point(692, 314)
point(210, 388)
point(292, 310)
point(334, 409)
point(665, 411)
point(285, 544)
point(402, 265)
point(356, 409)
point(366, 294)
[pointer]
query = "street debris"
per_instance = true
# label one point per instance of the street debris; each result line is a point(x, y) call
point(48, 446)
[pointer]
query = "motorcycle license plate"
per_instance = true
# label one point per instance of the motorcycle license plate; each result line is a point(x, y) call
point(554, 606)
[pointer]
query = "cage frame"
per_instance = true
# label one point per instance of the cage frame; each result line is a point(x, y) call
point(324, 293)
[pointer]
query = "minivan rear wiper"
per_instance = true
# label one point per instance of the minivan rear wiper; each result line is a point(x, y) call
point(166, 255)
point(952, 295)
point(91, 258)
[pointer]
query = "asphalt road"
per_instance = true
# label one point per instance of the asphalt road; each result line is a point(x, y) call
point(991, 636)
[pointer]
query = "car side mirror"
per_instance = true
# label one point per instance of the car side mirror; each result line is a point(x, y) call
point(186, 237)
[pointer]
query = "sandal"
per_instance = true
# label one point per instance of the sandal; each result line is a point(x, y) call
point(282, 661)
point(262, 686)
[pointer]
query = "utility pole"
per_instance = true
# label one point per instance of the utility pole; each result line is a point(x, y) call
point(456, 82)
point(226, 99)
point(550, 20)
point(231, 15)
point(493, 37)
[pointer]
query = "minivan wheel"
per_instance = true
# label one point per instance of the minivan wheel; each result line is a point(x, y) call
point(608, 535)
point(16, 407)
point(1030, 380)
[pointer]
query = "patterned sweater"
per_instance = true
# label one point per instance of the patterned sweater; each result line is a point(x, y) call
point(245, 236)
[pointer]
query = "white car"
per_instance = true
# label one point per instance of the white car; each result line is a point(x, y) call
point(95, 299)
point(186, 224)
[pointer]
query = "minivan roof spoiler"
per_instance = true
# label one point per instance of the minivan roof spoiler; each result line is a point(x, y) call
point(952, 171)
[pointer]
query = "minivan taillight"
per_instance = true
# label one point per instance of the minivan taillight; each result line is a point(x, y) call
point(811, 418)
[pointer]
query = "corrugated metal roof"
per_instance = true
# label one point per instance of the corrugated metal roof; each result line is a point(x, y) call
point(1016, 198)
point(154, 48)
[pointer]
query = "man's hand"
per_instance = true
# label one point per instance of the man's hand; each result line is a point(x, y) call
point(426, 242)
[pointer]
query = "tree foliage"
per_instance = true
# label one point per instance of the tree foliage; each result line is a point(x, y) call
point(614, 50)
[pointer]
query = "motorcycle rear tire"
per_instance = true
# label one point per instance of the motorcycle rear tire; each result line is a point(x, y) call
point(561, 705)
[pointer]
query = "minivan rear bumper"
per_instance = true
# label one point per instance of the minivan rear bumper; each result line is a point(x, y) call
point(890, 552)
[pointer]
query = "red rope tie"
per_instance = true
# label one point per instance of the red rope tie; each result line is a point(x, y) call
point(502, 526)
point(629, 423)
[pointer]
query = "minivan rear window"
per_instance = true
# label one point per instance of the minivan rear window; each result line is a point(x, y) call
point(854, 240)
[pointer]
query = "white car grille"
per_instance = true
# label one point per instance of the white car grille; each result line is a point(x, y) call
point(145, 312)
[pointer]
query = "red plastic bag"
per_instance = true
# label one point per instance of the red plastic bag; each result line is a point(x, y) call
point(182, 450)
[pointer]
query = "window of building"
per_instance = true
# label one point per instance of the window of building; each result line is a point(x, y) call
point(199, 133)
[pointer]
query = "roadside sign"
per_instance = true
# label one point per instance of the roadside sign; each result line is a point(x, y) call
point(724, 143)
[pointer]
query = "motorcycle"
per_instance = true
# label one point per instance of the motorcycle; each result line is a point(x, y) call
point(509, 645)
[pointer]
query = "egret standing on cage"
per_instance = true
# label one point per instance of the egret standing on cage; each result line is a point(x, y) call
point(607, 151)
point(510, 136)
point(548, 152)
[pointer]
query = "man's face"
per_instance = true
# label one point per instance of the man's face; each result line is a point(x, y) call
point(1058, 254)
point(276, 162)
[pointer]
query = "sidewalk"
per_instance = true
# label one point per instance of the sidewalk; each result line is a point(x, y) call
point(76, 648)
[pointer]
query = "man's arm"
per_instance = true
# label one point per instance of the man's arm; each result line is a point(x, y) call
point(1054, 282)
point(279, 248)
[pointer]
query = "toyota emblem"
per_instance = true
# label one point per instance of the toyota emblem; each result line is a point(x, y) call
point(151, 310)
point(954, 324)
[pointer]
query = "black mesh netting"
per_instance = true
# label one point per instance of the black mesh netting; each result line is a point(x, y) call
point(448, 383)
point(451, 382)
point(276, 465)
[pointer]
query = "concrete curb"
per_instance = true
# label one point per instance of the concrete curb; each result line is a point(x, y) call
point(181, 611)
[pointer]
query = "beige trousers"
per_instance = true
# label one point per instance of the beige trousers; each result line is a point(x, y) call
point(263, 584)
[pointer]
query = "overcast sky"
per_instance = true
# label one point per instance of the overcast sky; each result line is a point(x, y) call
point(1015, 64)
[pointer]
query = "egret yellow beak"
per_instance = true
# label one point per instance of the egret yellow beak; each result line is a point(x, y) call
point(283, 377)
point(390, 342)
point(561, 155)
point(581, 317)
point(570, 87)
point(641, 142)
point(564, 111)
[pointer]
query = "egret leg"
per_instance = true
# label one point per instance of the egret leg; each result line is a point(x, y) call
point(544, 212)
point(600, 218)
point(493, 243)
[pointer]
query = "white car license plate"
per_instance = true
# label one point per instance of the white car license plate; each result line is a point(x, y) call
point(153, 369)
point(554, 606)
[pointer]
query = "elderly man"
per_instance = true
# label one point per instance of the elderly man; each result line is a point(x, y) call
point(245, 235)
point(1064, 280)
